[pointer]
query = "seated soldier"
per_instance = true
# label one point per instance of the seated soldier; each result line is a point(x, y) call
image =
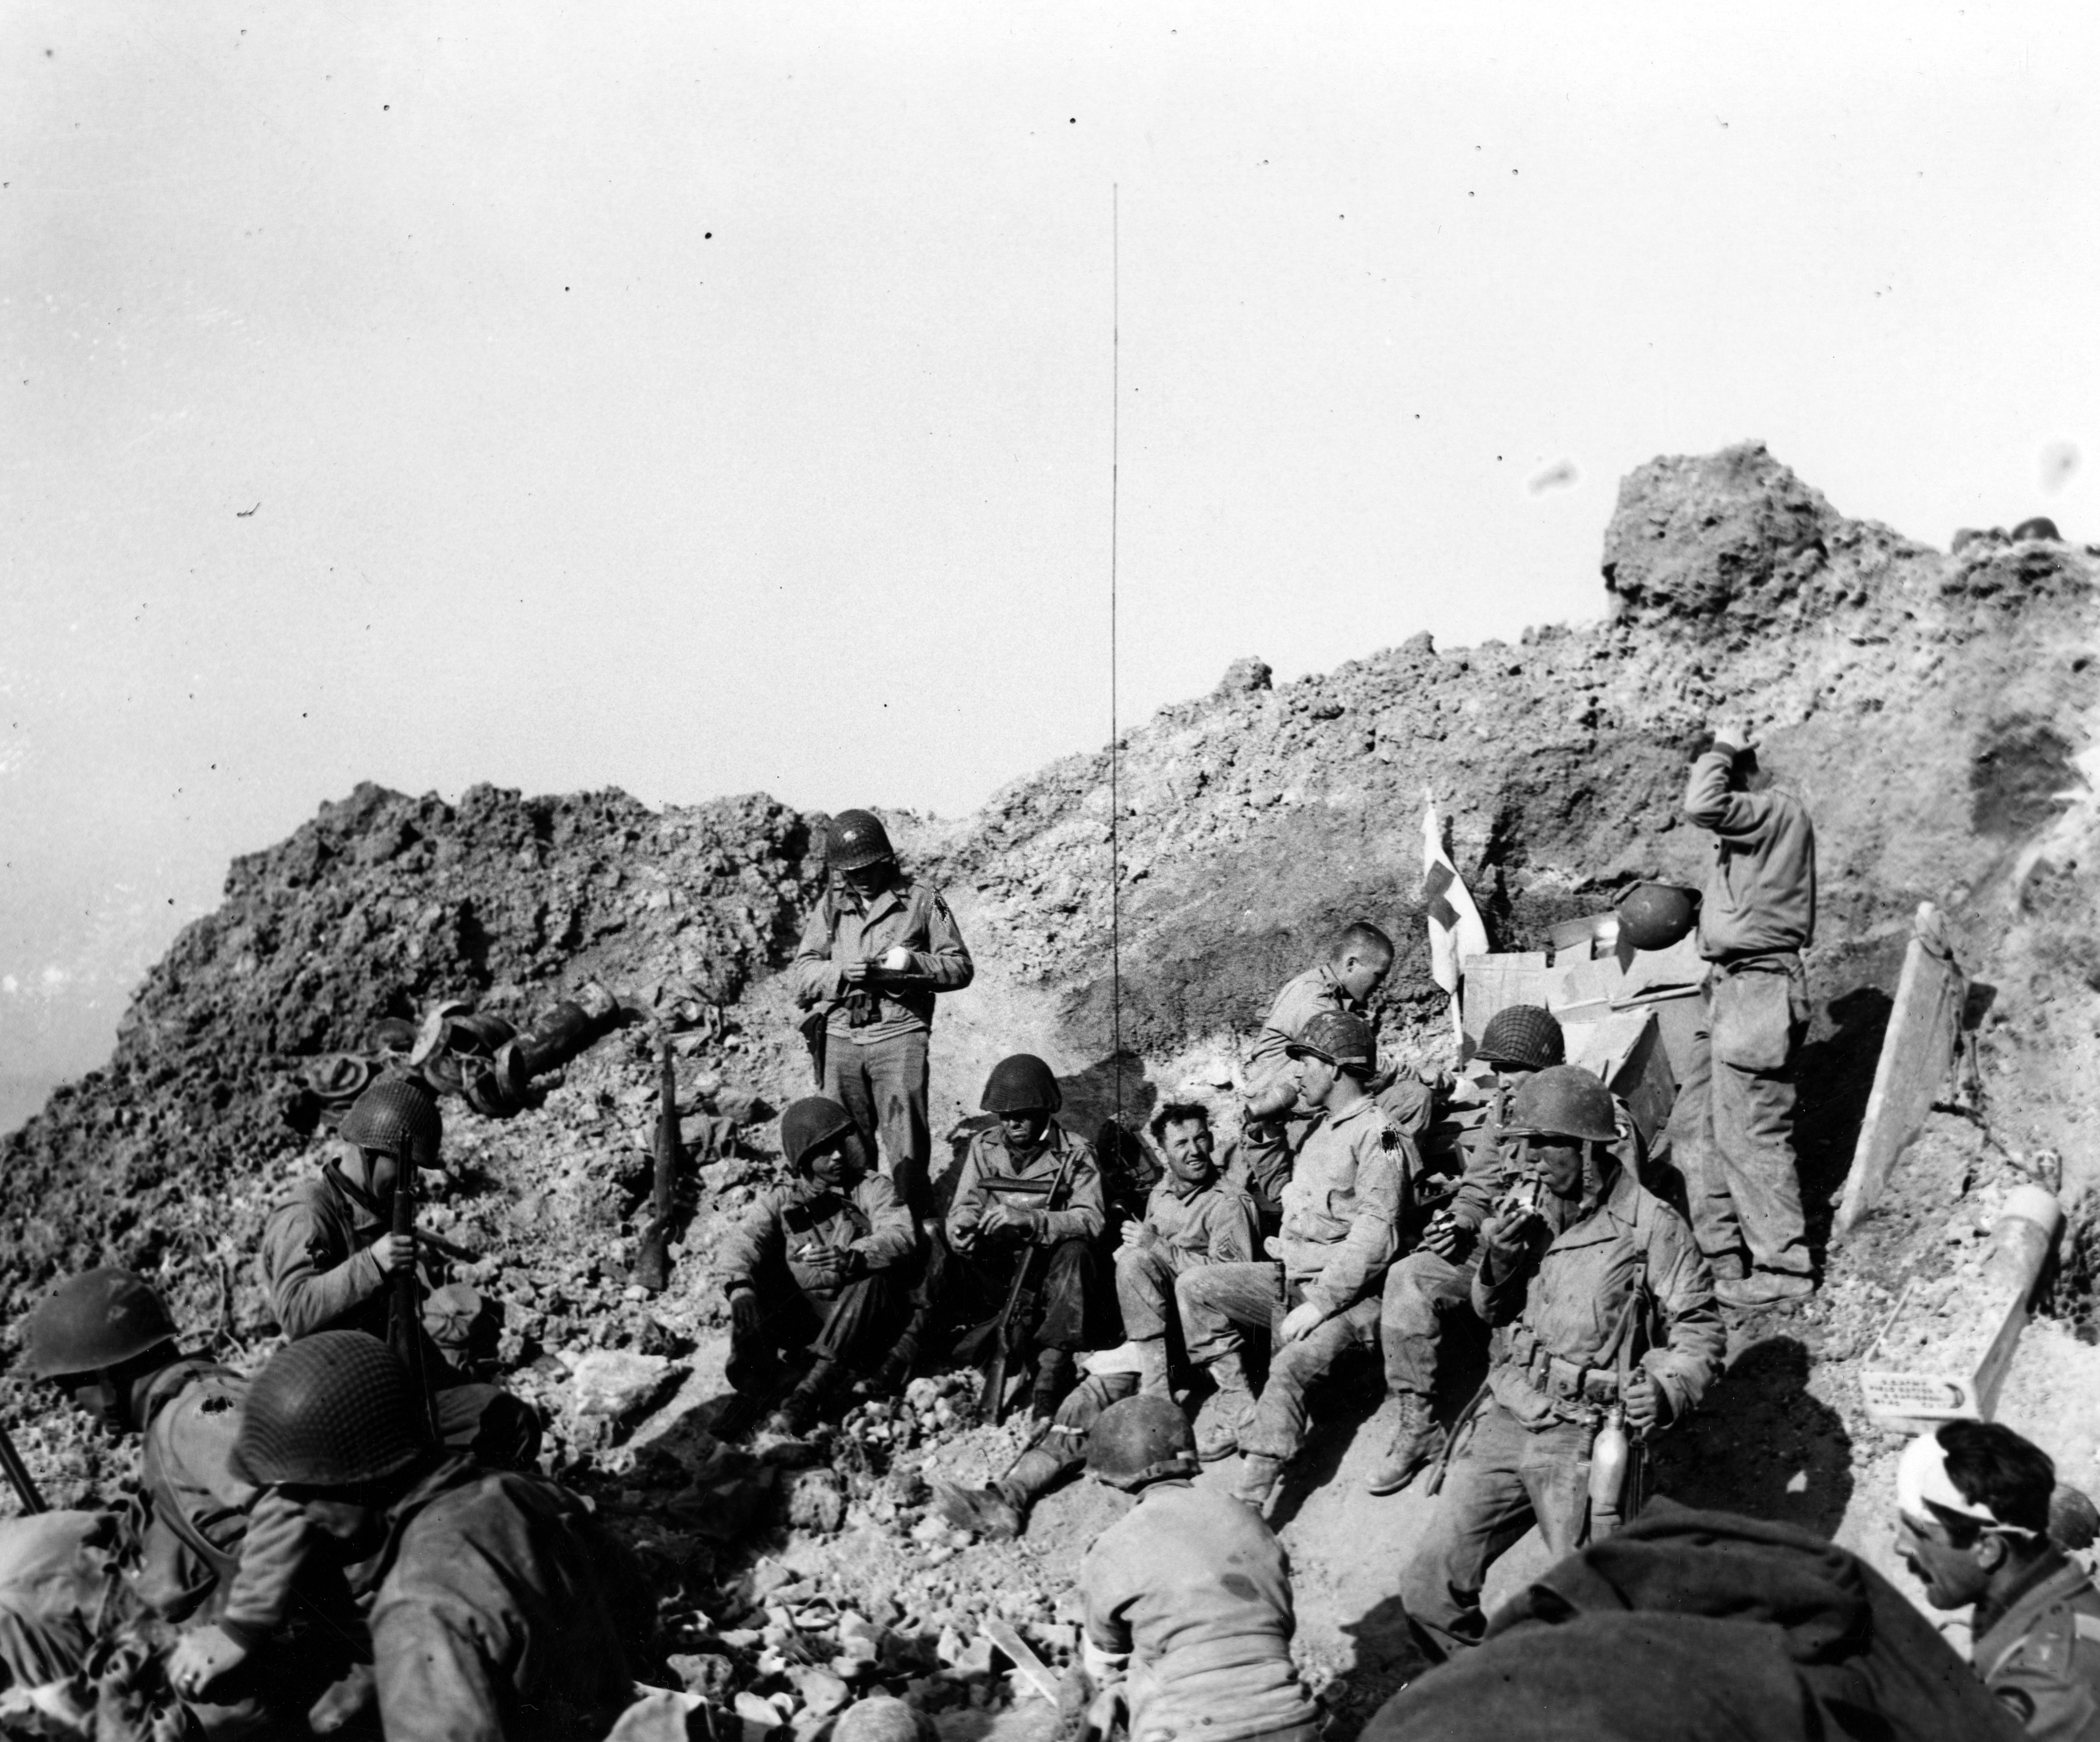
point(1193, 1219)
point(815, 1265)
point(498, 1606)
point(1436, 1280)
point(1028, 1183)
point(206, 1545)
point(1342, 1212)
point(330, 1259)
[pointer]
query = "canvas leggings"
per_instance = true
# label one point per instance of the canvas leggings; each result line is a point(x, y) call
point(1732, 1128)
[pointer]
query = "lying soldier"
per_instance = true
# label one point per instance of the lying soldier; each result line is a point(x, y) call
point(814, 1268)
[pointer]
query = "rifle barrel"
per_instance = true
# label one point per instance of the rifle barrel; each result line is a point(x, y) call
point(17, 1474)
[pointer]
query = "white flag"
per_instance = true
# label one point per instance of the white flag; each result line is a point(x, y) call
point(1455, 931)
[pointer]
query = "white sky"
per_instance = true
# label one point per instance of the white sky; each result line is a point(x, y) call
point(696, 398)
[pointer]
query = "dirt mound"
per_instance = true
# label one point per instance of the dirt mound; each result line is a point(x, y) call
point(1935, 711)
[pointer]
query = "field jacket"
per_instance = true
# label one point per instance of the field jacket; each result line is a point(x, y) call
point(1760, 895)
point(809, 1230)
point(842, 930)
point(1343, 1205)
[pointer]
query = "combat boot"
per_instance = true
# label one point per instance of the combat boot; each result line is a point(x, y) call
point(1152, 1367)
point(1229, 1412)
point(1053, 1378)
point(798, 1410)
point(1259, 1476)
point(1417, 1438)
point(1765, 1288)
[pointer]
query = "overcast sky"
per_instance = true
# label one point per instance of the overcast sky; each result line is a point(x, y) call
point(696, 398)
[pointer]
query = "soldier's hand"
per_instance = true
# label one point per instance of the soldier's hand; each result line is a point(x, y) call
point(201, 1657)
point(1441, 1238)
point(1133, 1234)
point(394, 1253)
point(856, 973)
point(1301, 1320)
point(1731, 731)
point(1644, 1400)
point(744, 1316)
point(1503, 1238)
point(992, 1217)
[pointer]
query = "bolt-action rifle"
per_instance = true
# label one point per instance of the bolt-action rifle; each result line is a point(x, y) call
point(1021, 1297)
point(408, 1340)
point(18, 1475)
point(652, 1260)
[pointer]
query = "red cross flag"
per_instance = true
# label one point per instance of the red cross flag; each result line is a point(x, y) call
point(1455, 931)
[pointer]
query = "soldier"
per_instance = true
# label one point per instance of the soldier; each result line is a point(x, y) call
point(498, 1608)
point(330, 1260)
point(874, 954)
point(1002, 1206)
point(814, 1265)
point(1436, 1279)
point(1187, 1595)
point(104, 1337)
point(1275, 1128)
point(1341, 1214)
point(1574, 1267)
point(1972, 1523)
point(1733, 1123)
point(1193, 1219)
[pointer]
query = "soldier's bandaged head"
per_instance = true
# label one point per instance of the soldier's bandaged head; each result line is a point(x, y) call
point(1924, 1490)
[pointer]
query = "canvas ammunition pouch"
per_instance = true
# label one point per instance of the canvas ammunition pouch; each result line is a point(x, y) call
point(1576, 1390)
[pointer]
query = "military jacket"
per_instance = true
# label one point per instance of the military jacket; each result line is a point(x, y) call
point(1343, 1205)
point(806, 1228)
point(1303, 998)
point(1216, 1225)
point(1084, 1216)
point(2041, 1657)
point(910, 915)
point(1761, 893)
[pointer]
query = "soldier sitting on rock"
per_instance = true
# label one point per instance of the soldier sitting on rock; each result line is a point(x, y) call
point(498, 1607)
point(1195, 1218)
point(330, 1259)
point(815, 1265)
point(205, 1545)
point(1027, 1182)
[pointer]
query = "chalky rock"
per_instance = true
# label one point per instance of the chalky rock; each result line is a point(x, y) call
point(878, 1719)
point(610, 1389)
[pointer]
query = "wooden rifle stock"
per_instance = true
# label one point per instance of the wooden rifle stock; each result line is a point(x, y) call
point(652, 1259)
point(408, 1292)
point(992, 1398)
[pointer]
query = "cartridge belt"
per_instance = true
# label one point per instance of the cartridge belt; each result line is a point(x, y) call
point(1565, 1382)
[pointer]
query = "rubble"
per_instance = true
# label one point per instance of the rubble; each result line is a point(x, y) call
point(1932, 707)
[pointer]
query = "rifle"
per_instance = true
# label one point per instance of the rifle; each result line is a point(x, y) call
point(1619, 1452)
point(358, 1195)
point(991, 1397)
point(652, 1261)
point(1451, 1440)
point(17, 1474)
point(816, 1030)
point(407, 1290)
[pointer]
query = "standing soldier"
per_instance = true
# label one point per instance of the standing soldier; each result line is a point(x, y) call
point(1436, 1280)
point(814, 1265)
point(1002, 1206)
point(330, 1259)
point(1575, 1266)
point(1187, 1595)
point(1275, 1127)
point(498, 1607)
point(874, 954)
point(1733, 1124)
point(1972, 1523)
point(104, 1337)
point(1341, 1214)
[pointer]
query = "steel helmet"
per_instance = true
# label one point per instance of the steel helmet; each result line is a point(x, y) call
point(1022, 1083)
point(1655, 916)
point(1139, 1440)
point(856, 838)
point(881, 1718)
point(1564, 1100)
point(395, 1110)
point(1522, 1034)
point(810, 1124)
point(328, 1410)
point(100, 1318)
point(1345, 1040)
point(2040, 526)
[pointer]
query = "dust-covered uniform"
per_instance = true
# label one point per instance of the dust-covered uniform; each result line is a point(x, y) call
point(1261, 1160)
point(1558, 1311)
point(876, 1035)
point(2040, 1654)
point(1341, 1213)
point(825, 1267)
point(1196, 1590)
point(321, 1274)
point(1068, 1309)
point(1732, 1127)
point(1213, 1224)
point(500, 1612)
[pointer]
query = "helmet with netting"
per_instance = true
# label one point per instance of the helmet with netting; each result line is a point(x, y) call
point(1525, 1035)
point(100, 1318)
point(856, 839)
point(1140, 1440)
point(394, 1112)
point(1563, 1101)
point(331, 1410)
point(1343, 1038)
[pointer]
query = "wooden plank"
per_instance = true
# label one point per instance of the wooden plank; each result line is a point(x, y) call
point(1924, 1027)
point(1495, 982)
point(1625, 1050)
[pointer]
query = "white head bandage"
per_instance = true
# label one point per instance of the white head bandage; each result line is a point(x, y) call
point(1922, 1476)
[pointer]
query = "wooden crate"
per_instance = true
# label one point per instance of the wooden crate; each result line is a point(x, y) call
point(1908, 1390)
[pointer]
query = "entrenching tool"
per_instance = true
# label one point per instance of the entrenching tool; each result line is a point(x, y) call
point(652, 1258)
point(18, 1475)
point(1006, 1330)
